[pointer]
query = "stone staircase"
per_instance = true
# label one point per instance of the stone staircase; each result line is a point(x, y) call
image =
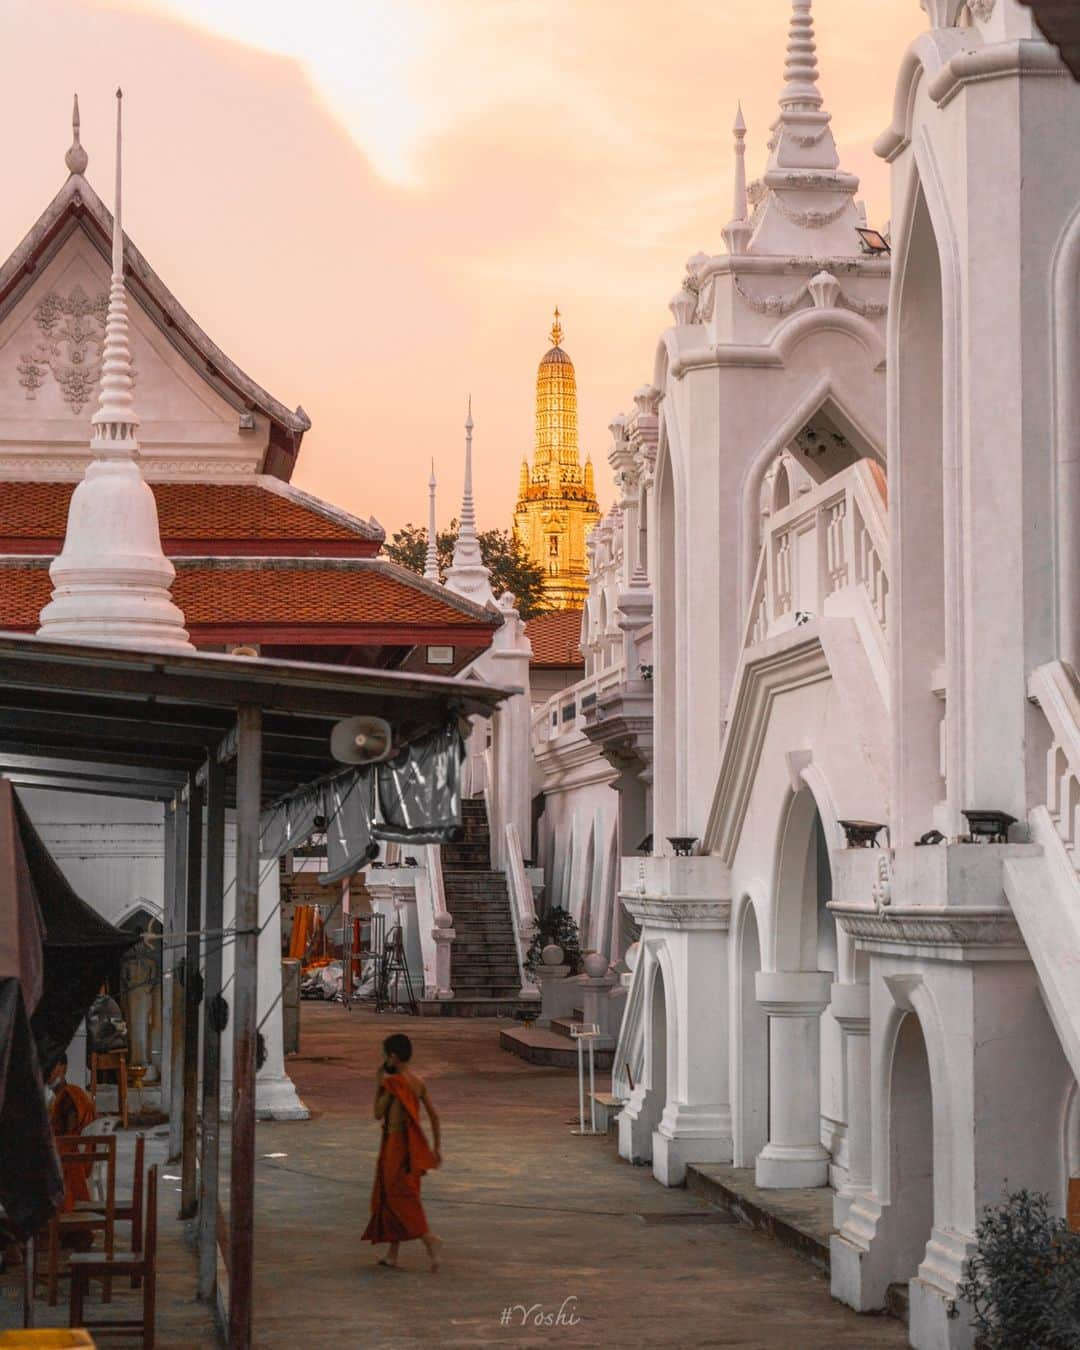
point(483, 959)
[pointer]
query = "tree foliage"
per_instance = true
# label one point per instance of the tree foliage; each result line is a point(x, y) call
point(511, 567)
point(1023, 1283)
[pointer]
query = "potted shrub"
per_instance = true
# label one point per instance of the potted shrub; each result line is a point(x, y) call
point(1023, 1283)
point(558, 926)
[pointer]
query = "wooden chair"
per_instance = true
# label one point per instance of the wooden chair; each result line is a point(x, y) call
point(131, 1210)
point(141, 1266)
point(116, 1060)
point(85, 1150)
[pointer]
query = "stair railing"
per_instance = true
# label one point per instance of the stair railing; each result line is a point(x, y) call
point(436, 926)
point(522, 912)
point(1054, 688)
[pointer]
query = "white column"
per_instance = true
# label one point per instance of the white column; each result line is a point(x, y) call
point(794, 1155)
point(851, 1007)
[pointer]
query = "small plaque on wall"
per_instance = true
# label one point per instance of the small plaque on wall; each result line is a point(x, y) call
point(440, 656)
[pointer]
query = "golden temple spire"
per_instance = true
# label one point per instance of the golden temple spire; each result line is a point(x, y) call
point(557, 505)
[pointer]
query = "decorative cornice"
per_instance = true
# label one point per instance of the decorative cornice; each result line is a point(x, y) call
point(924, 927)
point(672, 911)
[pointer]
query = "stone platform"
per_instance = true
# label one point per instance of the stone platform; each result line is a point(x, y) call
point(553, 1047)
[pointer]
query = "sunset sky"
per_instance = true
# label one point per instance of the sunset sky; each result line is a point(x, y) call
point(374, 205)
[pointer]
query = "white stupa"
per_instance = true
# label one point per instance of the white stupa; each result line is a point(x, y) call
point(468, 575)
point(111, 581)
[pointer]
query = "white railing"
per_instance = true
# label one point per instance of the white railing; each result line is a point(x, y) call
point(522, 913)
point(435, 925)
point(825, 553)
point(1054, 687)
point(568, 710)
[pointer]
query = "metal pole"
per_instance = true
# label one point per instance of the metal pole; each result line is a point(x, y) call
point(245, 1016)
point(171, 994)
point(592, 1086)
point(211, 1096)
point(581, 1084)
point(193, 886)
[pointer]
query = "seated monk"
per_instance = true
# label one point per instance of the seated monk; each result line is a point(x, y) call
point(71, 1110)
point(404, 1156)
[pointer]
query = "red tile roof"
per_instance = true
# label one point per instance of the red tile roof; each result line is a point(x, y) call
point(365, 601)
point(555, 638)
point(219, 519)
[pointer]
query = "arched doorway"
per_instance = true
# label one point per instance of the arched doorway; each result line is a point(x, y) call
point(911, 1148)
point(656, 1056)
point(920, 488)
point(750, 1051)
point(805, 1050)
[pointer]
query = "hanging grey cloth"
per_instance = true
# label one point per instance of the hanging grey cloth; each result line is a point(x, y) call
point(349, 810)
point(420, 790)
point(289, 823)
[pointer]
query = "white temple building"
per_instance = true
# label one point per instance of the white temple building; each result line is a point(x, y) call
point(837, 603)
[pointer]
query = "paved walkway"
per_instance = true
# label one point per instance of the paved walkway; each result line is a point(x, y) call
point(533, 1217)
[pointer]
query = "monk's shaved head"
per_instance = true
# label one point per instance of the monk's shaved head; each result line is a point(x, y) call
point(400, 1045)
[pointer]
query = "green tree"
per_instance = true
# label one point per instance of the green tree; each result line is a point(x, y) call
point(511, 567)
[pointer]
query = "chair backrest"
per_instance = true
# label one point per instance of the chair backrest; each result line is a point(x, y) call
point(150, 1234)
point(92, 1151)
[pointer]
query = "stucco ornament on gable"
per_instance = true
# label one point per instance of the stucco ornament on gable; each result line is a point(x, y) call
point(982, 9)
point(72, 331)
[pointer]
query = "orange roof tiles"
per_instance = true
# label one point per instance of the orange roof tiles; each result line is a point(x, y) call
point(555, 638)
point(203, 513)
point(211, 598)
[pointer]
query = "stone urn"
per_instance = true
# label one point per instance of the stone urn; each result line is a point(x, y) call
point(552, 955)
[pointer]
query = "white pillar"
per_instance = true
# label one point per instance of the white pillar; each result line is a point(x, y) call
point(851, 1007)
point(794, 1155)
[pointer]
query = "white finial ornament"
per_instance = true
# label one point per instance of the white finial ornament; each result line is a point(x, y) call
point(467, 575)
point(431, 560)
point(738, 230)
point(76, 158)
point(111, 581)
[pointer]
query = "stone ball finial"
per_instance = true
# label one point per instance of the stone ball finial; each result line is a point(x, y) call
point(76, 158)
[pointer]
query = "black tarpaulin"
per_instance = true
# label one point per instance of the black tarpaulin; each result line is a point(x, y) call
point(31, 1185)
point(82, 949)
point(419, 790)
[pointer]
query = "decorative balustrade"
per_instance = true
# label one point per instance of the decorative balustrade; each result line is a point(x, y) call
point(826, 553)
point(567, 710)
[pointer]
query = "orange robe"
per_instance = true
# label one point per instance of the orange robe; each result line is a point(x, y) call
point(404, 1156)
point(71, 1111)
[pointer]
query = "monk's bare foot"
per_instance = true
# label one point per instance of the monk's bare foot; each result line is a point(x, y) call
point(434, 1248)
point(390, 1265)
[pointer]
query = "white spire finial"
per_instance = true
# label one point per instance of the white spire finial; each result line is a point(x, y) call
point(431, 560)
point(800, 68)
point(76, 158)
point(737, 232)
point(467, 575)
point(116, 420)
point(111, 581)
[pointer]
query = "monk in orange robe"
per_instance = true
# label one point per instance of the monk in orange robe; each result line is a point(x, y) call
point(404, 1156)
point(70, 1111)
